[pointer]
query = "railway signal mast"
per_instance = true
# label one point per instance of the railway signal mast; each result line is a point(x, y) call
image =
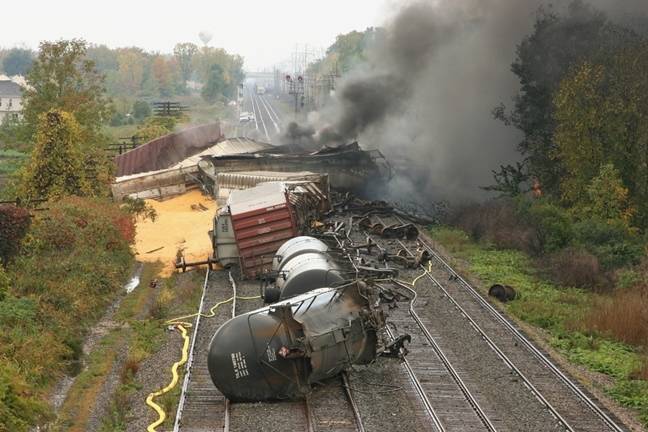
point(296, 88)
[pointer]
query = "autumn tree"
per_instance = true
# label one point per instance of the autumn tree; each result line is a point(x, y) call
point(162, 72)
point(131, 69)
point(63, 78)
point(184, 53)
point(57, 166)
point(600, 111)
point(607, 198)
point(579, 106)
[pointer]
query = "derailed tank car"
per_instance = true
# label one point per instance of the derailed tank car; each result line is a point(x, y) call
point(279, 351)
point(301, 264)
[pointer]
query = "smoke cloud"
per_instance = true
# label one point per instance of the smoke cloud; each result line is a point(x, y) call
point(426, 93)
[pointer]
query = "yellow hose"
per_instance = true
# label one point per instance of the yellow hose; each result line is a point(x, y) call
point(182, 326)
point(174, 381)
point(425, 272)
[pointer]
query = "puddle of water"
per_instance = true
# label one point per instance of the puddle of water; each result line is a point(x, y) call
point(134, 280)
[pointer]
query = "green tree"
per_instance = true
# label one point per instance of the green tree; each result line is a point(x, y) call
point(607, 196)
point(600, 110)
point(104, 58)
point(131, 72)
point(18, 61)
point(579, 106)
point(56, 167)
point(62, 78)
point(215, 85)
point(184, 53)
point(557, 44)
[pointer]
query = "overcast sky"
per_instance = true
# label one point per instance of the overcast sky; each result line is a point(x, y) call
point(265, 32)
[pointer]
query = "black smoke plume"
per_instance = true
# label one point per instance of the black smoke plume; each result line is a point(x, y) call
point(426, 94)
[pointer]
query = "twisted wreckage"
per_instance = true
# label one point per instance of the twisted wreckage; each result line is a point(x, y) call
point(325, 313)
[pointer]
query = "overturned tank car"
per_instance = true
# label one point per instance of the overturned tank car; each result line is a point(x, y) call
point(279, 351)
point(301, 264)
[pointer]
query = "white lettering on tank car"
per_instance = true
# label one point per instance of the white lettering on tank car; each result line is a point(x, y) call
point(272, 356)
point(240, 365)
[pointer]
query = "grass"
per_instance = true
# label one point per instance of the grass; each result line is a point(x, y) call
point(142, 314)
point(83, 394)
point(10, 161)
point(118, 132)
point(560, 311)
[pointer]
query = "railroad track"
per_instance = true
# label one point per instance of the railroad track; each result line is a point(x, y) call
point(449, 404)
point(572, 407)
point(455, 406)
point(201, 407)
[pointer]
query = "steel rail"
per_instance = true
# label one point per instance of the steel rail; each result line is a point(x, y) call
point(188, 366)
point(354, 406)
point(436, 421)
point(448, 365)
point(526, 342)
point(272, 109)
point(310, 420)
point(270, 116)
point(258, 107)
point(418, 387)
point(496, 348)
point(228, 404)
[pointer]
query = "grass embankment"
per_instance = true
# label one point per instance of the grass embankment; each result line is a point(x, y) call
point(138, 334)
point(73, 263)
point(566, 314)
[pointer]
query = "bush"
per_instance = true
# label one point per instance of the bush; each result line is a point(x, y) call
point(497, 222)
point(610, 241)
point(4, 284)
point(118, 119)
point(575, 268)
point(552, 223)
point(14, 222)
point(72, 265)
point(19, 408)
point(141, 110)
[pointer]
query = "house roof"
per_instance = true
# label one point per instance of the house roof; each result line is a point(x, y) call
point(10, 89)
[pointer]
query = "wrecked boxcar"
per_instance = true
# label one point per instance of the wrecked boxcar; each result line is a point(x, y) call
point(349, 168)
point(255, 222)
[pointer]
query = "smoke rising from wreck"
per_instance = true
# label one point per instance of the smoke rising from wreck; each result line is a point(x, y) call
point(425, 95)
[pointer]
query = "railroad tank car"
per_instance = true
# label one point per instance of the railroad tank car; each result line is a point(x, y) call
point(279, 351)
point(301, 264)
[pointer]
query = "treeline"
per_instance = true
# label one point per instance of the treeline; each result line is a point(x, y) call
point(581, 107)
point(580, 192)
point(135, 73)
point(348, 51)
